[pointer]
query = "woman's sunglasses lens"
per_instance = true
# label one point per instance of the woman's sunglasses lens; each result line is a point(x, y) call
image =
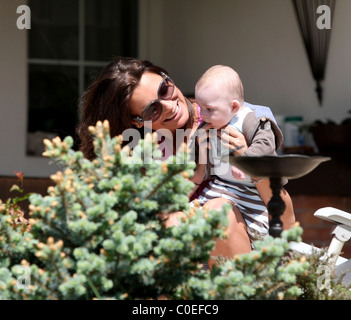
point(153, 112)
point(166, 89)
point(165, 92)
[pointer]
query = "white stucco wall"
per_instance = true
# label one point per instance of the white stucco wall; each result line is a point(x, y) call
point(261, 40)
point(13, 98)
point(258, 38)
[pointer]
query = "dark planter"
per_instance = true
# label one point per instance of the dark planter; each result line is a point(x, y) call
point(332, 139)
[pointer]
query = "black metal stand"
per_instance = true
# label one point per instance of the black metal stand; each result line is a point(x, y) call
point(276, 207)
point(274, 168)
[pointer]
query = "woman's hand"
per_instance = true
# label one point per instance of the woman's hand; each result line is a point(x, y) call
point(203, 143)
point(235, 141)
point(232, 139)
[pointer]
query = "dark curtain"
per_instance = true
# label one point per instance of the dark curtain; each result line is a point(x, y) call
point(316, 40)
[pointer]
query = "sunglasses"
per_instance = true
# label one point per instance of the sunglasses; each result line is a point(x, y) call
point(154, 109)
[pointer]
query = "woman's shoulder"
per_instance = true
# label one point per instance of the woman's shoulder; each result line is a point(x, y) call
point(197, 111)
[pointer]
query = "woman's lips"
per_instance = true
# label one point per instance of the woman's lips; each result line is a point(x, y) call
point(174, 113)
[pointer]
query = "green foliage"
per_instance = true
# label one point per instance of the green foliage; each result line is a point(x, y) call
point(98, 231)
point(260, 274)
point(344, 121)
point(319, 281)
point(99, 234)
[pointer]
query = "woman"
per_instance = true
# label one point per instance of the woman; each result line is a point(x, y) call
point(132, 93)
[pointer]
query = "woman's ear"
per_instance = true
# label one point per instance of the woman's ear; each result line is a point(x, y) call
point(137, 124)
point(235, 106)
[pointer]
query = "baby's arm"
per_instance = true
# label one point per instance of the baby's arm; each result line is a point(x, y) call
point(263, 143)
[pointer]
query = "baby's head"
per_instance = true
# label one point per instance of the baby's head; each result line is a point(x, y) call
point(220, 94)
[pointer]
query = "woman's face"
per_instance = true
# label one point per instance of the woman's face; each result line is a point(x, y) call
point(175, 112)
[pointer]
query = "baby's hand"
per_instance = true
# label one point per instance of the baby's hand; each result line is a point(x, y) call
point(238, 174)
point(232, 139)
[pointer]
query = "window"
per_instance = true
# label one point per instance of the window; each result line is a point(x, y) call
point(70, 41)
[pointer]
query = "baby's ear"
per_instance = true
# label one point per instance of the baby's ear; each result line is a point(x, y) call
point(235, 106)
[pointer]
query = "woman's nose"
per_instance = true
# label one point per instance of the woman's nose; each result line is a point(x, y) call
point(168, 104)
point(169, 108)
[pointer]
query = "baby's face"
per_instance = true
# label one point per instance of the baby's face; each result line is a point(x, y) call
point(216, 110)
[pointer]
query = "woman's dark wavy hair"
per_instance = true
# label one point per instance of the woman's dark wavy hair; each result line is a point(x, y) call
point(107, 98)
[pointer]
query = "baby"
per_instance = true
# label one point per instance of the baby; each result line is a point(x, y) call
point(220, 94)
